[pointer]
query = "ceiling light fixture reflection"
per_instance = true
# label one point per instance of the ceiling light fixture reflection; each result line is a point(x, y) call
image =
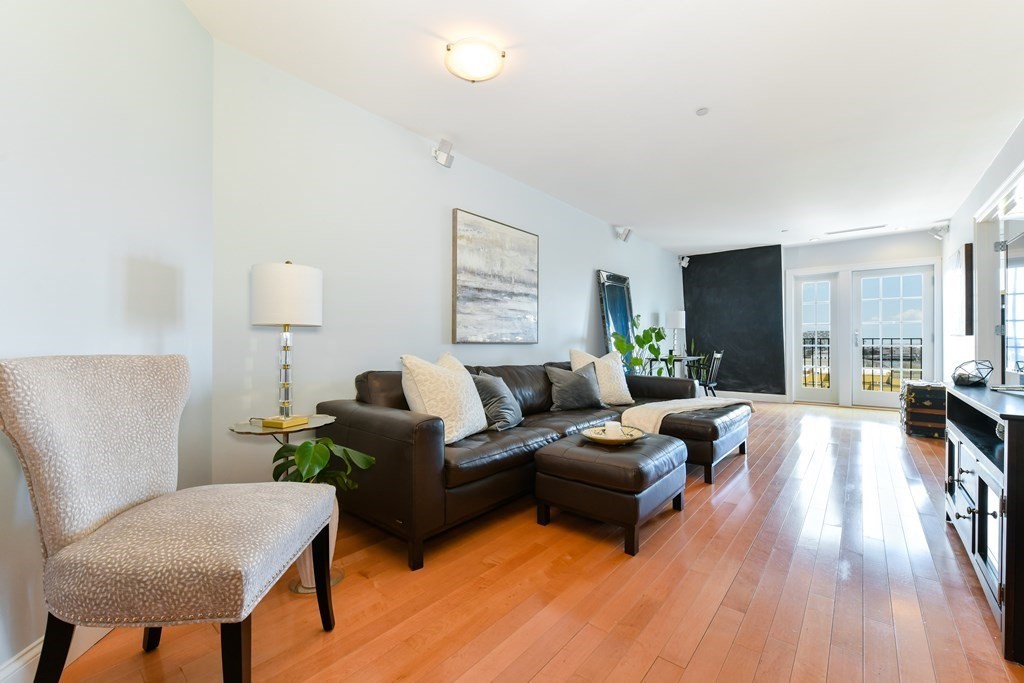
point(473, 59)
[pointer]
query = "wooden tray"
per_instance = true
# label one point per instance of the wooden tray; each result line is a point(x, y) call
point(629, 435)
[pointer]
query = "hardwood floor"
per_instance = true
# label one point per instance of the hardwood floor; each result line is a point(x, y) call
point(823, 556)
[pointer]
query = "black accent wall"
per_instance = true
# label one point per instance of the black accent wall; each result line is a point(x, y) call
point(733, 302)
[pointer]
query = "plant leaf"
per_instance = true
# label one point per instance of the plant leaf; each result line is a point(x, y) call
point(282, 469)
point(360, 459)
point(311, 458)
point(284, 451)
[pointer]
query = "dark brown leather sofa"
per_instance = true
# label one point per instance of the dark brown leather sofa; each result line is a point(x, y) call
point(419, 487)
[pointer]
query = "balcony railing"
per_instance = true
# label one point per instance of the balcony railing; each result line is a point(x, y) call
point(886, 362)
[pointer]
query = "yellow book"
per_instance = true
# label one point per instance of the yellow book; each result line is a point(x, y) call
point(278, 422)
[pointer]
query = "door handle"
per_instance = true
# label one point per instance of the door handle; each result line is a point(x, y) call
point(856, 339)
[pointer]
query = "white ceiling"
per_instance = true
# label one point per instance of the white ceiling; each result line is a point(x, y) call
point(825, 114)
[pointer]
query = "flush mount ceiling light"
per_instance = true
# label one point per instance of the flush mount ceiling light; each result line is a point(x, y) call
point(473, 59)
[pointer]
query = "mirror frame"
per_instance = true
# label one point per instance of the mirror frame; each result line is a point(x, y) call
point(616, 306)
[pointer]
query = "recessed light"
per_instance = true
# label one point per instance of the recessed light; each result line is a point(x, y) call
point(473, 59)
point(703, 111)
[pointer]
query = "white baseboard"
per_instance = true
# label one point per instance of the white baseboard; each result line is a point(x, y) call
point(22, 667)
point(766, 398)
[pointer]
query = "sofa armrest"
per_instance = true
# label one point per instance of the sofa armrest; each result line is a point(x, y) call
point(665, 388)
point(404, 490)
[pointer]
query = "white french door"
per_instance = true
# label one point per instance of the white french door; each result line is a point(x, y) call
point(816, 311)
point(892, 332)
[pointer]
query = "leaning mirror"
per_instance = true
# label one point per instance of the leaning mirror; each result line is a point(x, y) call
point(616, 306)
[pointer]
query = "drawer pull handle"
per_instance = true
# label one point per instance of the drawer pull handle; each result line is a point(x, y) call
point(970, 513)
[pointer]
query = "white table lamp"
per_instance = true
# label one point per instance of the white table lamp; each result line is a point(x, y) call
point(675, 321)
point(286, 294)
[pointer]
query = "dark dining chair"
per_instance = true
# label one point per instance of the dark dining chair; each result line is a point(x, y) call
point(708, 377)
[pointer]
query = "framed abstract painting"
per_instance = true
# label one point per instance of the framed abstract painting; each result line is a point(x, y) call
point(495, 283)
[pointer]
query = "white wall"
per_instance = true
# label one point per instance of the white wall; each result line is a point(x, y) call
point(893, 248)
point(105, 221)
point(961, 230)
point(300, 174)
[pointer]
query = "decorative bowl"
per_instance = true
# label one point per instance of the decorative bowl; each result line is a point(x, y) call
point(629, 435)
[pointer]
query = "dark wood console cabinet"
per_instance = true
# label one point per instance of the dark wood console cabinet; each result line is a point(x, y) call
point(985, 498)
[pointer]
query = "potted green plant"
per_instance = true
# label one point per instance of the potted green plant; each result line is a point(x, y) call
point(307, 462)
point(644, 346)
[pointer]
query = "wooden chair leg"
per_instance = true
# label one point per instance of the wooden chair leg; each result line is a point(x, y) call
point(236, 651)
point(322, 576)
point(416, 554)
point(151, 638)
point(56, 643)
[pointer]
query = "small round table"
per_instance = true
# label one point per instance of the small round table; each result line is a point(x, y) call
point(315, 421)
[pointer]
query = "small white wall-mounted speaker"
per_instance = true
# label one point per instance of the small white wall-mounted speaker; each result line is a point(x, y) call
point(443, 153)
point(684, 261)
point(622, 232)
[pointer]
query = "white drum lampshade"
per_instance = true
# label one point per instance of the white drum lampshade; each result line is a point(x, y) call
point(286, 294)
point(675, 321)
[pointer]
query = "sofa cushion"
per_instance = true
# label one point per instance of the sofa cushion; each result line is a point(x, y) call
point(636, 402)
point(566, 422)
point(706, 425)
point(574, 390)
point(444, 389)
point(481, 455)
point(528, 383)
point(611, 378)
point(501, 407)
point(381, 388)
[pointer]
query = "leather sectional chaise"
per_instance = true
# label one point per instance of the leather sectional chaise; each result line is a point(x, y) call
point(419, 487)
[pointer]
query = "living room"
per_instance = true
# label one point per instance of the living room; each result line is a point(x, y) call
point(152, 162)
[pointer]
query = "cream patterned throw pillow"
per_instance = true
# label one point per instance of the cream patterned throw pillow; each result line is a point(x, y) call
point(445, 389)
point(611, 378)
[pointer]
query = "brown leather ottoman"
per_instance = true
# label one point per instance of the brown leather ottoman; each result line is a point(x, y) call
point(710, 434)
point(624, 485)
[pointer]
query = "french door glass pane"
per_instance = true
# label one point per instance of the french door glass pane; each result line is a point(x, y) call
point(816, 327)
point(892, 346)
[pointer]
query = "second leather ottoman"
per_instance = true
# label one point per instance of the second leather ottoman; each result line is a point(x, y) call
point(623, 485)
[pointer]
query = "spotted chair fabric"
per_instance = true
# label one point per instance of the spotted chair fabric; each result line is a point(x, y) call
point(97, 437)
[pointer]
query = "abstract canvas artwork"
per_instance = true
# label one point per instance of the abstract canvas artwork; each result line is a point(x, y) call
point(495, 288)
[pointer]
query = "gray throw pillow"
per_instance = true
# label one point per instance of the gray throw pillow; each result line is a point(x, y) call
point(574, 390)
point(500, 406)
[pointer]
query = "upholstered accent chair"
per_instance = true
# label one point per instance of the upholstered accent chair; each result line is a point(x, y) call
point(97, 437)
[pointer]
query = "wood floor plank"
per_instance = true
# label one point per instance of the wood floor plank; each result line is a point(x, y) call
point(822, 555)
point(663, 671)
point(811, 661)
